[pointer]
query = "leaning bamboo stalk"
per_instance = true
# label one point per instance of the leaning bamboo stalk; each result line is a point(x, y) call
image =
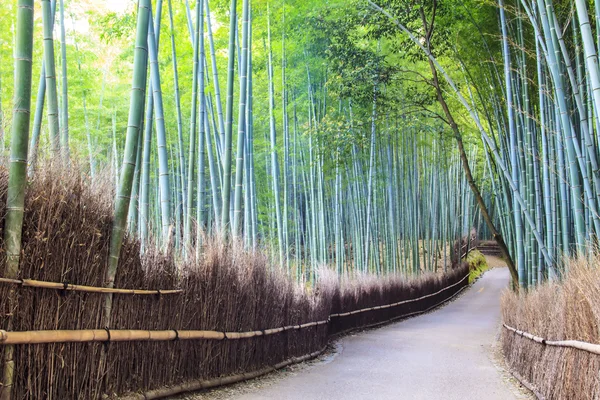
point(134, 121)
point(491, 144)
point(84, 288)
point(575, 344)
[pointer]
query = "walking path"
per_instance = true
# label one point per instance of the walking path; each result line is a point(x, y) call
point(446, 354)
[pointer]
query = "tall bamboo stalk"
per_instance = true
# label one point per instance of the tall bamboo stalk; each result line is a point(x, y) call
point(226, 189)
point(140, 66)
point(17, 179)
point(50, 73)
point(239, 167)
point(64, 134)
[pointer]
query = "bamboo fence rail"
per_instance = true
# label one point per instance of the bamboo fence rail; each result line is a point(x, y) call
point(129, 335)
point(575, 344)
point(83, 288)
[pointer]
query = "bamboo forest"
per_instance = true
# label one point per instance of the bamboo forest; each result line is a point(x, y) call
point(199, 193)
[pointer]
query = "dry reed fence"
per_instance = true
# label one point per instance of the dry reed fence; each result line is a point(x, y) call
point(569, 310)
point(66, 231)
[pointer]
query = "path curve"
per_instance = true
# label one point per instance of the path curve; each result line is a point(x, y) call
point(446, 354)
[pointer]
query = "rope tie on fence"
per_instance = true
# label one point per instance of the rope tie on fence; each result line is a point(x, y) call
point(63, 292)
point(107, 341)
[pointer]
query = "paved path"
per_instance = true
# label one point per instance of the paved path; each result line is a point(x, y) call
point(445, 354)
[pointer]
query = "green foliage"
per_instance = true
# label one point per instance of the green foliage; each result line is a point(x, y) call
point(477, 265)
point(339, 54)
point(115, 27)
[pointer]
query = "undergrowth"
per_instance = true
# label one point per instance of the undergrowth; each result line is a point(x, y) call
point(477, 265)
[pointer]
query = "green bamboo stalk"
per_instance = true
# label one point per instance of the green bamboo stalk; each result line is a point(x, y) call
point(193, 129)
point(140, 66)
point(513, 149)
point(17, 179)
point(64, 135)
point(239, 168)
point(226, 189)
point(217, 87)
point(180, 148)
point(201, 195)
point(50, 72)
point(214, 178)
point(161, 138)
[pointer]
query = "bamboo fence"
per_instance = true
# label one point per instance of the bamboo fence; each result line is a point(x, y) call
point(398, 302)
point(48, 337)
point(129, 335)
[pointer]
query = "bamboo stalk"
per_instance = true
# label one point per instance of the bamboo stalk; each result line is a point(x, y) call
point(17, 181)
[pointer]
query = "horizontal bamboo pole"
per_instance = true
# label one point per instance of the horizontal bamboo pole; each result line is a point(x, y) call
point(362, 310)
point(575, 344)
point(211, 383)
point(128, 335)
point(83, 288)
